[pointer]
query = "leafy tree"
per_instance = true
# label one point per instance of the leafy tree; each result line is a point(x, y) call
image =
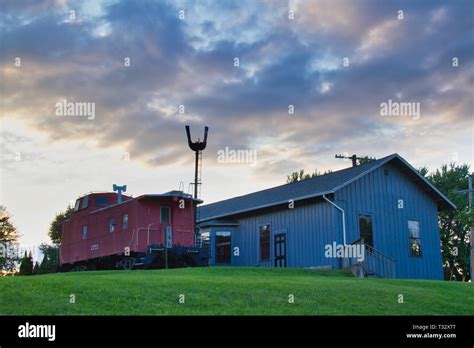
point(8, 238)
point(424, 171)
point(454, 224)
point(50, 259)
point(301, 175)
point(364, 160)
point(55, 228)
point(26, 266)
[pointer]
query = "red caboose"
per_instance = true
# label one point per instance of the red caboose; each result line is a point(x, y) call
point(152, 230)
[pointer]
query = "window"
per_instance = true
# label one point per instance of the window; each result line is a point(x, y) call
point(365, 229)
point(264, 242)
point(223, 240)
point(85, 202)
point(414, 237)
point(165, 215)
point(125, 221)
point(101, 201)
point(84, 231)
point(111, 224)
point(77, 205)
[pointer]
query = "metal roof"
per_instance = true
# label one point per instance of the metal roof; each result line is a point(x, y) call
point(309, 188)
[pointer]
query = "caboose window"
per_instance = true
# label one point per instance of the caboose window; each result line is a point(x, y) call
point(111, 224)
point(125, 221)
point(414, 237)
point(101, 201)
point(84, 231)
point(85, 202)
point(165, 215)
point(77, 205)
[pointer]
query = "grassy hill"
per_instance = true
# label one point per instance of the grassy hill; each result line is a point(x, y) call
point(229, 291)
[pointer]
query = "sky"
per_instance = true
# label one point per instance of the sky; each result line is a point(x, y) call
point(288, 83)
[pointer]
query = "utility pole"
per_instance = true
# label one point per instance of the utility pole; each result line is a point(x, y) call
point(166, 249)
point(471, 239)
point(354, 158)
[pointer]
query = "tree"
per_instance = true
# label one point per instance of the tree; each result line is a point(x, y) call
point(301, 175)
point(26, 266)
point(36, 269)
point(8, 239)
point(50, 259)
point(55, 228)
point(454, 224)
point(364, 160)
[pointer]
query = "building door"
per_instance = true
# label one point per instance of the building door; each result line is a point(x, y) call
point(279, 249)
point(223, 247)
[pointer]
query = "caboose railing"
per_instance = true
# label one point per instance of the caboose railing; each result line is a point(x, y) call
point(375, 263)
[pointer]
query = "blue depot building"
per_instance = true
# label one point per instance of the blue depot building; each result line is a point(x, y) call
point(383, 208)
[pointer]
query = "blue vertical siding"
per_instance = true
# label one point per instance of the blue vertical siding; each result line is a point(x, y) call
point(308, 229)
point(311, 227)
point(378, 195)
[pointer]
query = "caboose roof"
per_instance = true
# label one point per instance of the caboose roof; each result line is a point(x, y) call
point(315, 187)
point(178, 194)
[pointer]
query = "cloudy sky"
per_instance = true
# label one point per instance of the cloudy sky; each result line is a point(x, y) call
point(333, 61)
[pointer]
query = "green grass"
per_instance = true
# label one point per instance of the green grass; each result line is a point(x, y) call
point(229, 291)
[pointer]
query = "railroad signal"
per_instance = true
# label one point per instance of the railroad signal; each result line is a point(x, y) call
point(197, 146)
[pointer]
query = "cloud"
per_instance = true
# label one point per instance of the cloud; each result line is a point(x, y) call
point(190, 62)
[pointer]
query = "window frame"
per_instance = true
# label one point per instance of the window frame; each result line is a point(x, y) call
point(260, 246)
point(84, 235)
point(418, 239)
point(161, 214)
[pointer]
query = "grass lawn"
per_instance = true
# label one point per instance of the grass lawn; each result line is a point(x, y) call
point(229, 291)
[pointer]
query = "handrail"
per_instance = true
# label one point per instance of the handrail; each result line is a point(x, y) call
point(381, 253)
point(381, 264)
point(358, 241)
